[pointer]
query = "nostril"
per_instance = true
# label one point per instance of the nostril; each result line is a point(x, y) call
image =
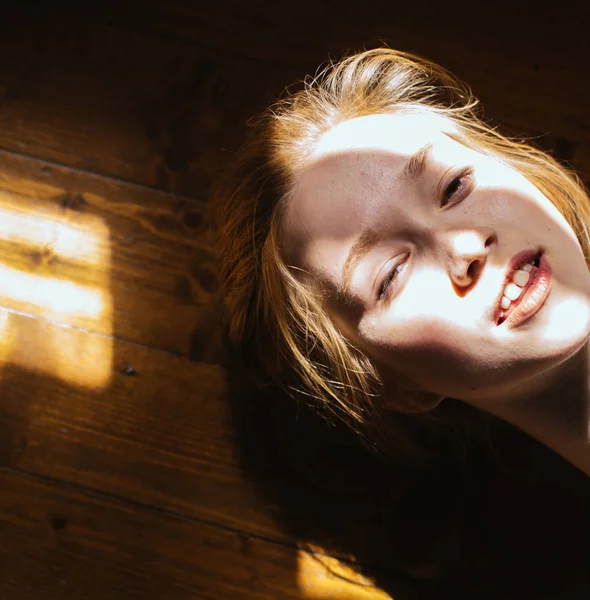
point(473, 268)
point(491, 240)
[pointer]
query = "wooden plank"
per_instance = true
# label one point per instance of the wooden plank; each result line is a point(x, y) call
point(162, 97)
point(125, 419)
point(59, 543)
point(109, 257)
point(525, 68)
point(160, 113)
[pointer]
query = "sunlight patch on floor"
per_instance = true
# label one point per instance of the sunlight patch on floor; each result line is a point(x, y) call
point(327, 578)
point(55, 295)
point(52, 258)
point(80, 241)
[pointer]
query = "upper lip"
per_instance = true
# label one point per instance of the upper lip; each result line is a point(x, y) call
point(515, 262)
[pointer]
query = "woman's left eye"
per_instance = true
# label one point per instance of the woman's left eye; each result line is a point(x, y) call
point(458, 185)
point(388, 281)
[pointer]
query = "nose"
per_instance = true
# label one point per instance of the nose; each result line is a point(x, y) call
point(467, 255)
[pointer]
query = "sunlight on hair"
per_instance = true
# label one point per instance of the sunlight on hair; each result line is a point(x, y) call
point(44, 257)
point(327, 578)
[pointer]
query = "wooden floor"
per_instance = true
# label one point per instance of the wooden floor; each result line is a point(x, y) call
point(134, 461)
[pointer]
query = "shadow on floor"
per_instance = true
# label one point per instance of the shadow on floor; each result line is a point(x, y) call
point(510, 520)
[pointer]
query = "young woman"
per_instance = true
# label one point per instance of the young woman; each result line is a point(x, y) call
point(383, 249)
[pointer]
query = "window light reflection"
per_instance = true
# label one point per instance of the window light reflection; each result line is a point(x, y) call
point(53, 344)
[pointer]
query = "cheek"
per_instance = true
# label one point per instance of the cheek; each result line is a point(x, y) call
point(406, 338)
point(429, 342)
point(433, 354)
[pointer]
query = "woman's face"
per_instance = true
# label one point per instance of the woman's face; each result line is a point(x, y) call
point(412, 255)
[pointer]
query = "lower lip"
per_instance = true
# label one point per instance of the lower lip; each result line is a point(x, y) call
point(534, 297)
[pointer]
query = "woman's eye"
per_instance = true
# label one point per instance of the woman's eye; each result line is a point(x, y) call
point(458, 185)
point(385, 286)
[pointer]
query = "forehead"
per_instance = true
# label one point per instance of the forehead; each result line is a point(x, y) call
point(353, 168)
point(402, 133)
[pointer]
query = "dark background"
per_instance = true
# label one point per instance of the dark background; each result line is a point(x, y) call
point(173, 478)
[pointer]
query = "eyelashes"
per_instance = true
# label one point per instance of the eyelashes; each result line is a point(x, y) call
point(459, 185)
point(458, 189)
point(386, 283)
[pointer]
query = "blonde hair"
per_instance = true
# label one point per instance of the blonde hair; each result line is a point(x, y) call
point(271, 312)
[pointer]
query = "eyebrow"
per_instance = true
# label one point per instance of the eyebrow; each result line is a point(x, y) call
point(413, 170)
point(367, 239)
point(417, 164)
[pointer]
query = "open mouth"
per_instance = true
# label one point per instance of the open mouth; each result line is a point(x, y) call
point(525, 291)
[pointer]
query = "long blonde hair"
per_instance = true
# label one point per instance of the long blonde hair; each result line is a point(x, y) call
point(269, 310)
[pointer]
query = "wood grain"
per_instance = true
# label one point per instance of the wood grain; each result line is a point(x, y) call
point(160, 113)
point(60, 543)
point(162, 431)
point(124, 419)
point(108, 257)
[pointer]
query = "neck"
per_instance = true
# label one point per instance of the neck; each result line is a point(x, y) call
point(556, 411)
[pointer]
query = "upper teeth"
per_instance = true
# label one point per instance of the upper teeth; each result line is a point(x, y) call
point(514, 288)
